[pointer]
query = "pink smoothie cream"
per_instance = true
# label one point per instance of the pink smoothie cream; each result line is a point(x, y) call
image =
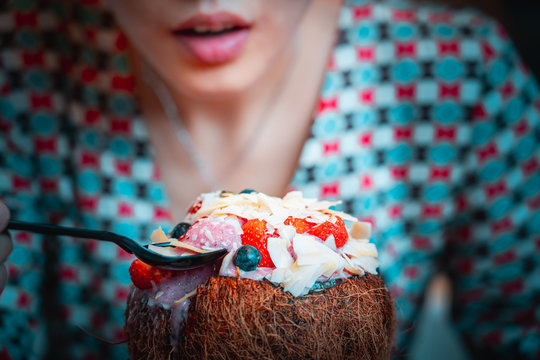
point(213, 38)
point(223, 232)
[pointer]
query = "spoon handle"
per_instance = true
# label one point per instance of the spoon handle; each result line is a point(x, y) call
point(48, 229)
point(129, 245)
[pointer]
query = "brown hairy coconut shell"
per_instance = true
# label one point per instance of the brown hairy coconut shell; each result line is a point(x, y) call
point(235, 318)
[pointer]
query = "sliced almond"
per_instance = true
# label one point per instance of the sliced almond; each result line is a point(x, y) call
point(188, 247)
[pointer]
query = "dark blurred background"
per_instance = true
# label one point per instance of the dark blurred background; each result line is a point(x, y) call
point(521, 18)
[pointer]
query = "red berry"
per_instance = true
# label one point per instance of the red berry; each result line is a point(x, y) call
point(196, 206)
point(341, 235)
point(143, 275)
point(322, 230)
point(256, 234)
point(301, 225)
point(327, 228)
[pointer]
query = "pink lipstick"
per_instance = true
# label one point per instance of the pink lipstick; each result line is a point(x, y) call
point(213, 38)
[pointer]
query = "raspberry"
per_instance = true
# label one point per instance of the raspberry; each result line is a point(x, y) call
point(256, 234)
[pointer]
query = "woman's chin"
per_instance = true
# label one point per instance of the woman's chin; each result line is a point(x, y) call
point(191, 78)
point(215, 83)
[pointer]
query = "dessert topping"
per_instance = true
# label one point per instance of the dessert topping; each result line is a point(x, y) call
point(256, 234)
point(247, 258)
point(291, 241)
point(179, 230)
point(145, 276)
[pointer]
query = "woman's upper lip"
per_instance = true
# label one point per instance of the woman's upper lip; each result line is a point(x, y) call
point(213, 21)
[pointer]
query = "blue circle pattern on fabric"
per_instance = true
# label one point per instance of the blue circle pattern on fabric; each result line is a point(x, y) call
point(442, 154)
point(449, 69)
point(28, 40)
point(525, 148)
point(500, 207)
point(403, 31)
point(403, 114)
point(482, 133)
point(48, 166)
point(492, 171)
point(90, 139)
point(21, 164)
point(121, 147)
point(448, 112)
point(444, 31)
point(89, 181)
point(514, 110)
point(436, 193)
point(38, 80)
point(406, 71)
point(121, 105)
point(400, 153)
point(43, 123)
point(498, 72)
point(124, 188)
point(6, 109)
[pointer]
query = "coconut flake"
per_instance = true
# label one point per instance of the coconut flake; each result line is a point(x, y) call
point(165, 251)
point(358, 248)
point(188, 247)
point(279, 253)
point(361, 230)
point(314, 260)
point(225, 264)
point(158, 236)
point(368, 263)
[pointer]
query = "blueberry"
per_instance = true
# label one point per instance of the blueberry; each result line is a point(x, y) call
point(180, 230)
point(247, 258)
point(247, 191)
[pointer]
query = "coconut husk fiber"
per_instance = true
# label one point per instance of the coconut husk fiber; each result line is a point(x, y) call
point(234, 318)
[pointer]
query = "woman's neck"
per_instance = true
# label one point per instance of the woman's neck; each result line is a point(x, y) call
point(233, 118)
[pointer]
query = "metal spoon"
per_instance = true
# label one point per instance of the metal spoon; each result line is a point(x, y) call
point(131, 246)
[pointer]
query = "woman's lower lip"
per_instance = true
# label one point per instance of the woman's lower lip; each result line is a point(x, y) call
point(215, 49)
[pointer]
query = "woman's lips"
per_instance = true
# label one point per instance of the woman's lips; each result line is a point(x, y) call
point(213, 38)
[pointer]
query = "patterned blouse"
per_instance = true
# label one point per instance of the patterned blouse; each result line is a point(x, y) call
point(428, 125)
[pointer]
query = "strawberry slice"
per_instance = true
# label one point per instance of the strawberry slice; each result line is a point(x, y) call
point(322, 230)
point(145, 276)
point(301, 225)
point(327, 228)
point(341, 234)
point(196, 206)
point(256, 234)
